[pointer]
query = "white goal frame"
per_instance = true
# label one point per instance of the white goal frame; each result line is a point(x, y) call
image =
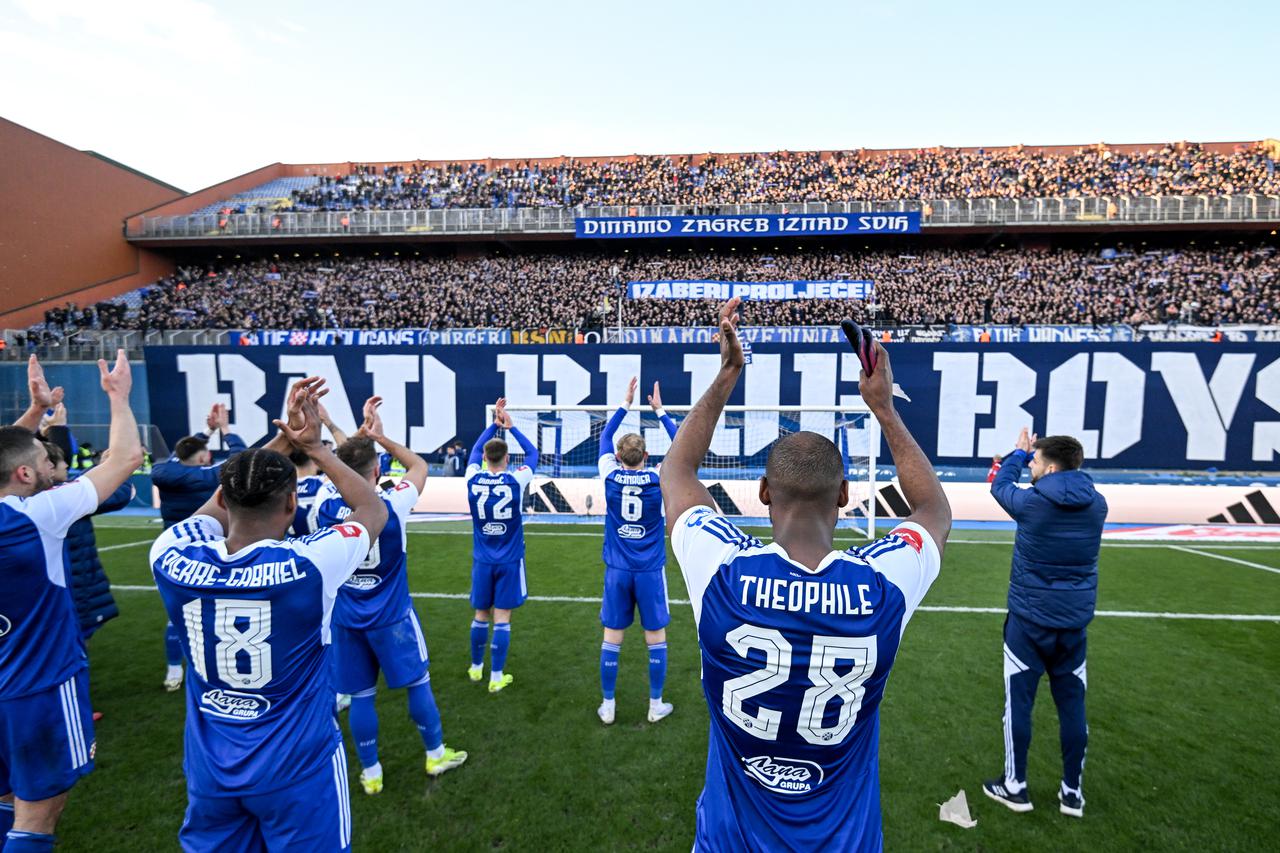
point(847, 515)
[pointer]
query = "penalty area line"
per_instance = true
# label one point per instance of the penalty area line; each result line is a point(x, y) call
point(927, 608)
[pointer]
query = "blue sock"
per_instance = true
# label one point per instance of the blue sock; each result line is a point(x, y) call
point(608, 668)
point(501, 642)
point(479, 637)
point(364, 727)
point(657, 669)
point(6, 821)
point(17, 841)
point(423, 710)
point(172, 645)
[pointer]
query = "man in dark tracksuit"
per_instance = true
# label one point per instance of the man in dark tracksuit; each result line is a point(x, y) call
point(1053, 590)
point(185, 481)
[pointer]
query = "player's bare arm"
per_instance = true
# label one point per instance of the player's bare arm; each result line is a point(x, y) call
point(916, 477)
point(415, 466)
point(123, 440)
point(681, 488)
point(43, 397)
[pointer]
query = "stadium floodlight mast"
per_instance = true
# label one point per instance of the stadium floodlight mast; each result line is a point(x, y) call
point(568, 439)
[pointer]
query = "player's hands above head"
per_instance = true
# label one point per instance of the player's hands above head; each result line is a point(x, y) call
point(303, 425)
point(631, 391)
point(211, 419)
point(655, 399)
point(1026, 438)
point(372, 426)
point(499, 408)
point(116, 382)
point(503, 419)
point(877, 389)
point(42, 396)
point(731, 356)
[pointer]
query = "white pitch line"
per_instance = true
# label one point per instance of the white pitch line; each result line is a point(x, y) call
point(1225, 558)
point(928, 608)
point(126, 545)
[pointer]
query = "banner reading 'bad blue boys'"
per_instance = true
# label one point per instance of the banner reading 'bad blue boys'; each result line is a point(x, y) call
point(759, 291)
point(1132, 405)
point(747, 225)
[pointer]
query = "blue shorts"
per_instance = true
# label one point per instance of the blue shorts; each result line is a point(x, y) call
point(46, 740)
point(311, 814)
point(398, 649)
point(625, 590)
point(500, 585)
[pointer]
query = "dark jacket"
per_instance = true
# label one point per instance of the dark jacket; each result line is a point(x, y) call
point(90, 587)
point(1054, 581)
point(184, 488)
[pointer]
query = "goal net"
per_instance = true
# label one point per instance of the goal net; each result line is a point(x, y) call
point(568, 440)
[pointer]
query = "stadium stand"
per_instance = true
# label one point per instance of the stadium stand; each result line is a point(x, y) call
point(1225, 284)
point(780, 177)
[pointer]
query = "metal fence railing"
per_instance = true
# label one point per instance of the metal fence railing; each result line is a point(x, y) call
point(935, 213)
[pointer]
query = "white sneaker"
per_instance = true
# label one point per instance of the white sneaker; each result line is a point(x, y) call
point(659, 709)
point(173, 678)
point(606, 712)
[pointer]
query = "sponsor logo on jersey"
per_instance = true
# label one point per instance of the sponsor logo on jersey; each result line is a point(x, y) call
point(631, 531)
point(5, 625)
point(232, 705)
point(363, 582)
point(784, 775)
point(351, 531)
point(494, 528)
point(906, 534)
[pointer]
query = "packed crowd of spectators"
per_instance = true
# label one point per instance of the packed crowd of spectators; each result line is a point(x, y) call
point(1207, 286)
point(786, 177)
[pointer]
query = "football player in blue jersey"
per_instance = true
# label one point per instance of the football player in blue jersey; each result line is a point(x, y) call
point(495, 493)
point(46, 723)
point(185, 481)
point(310, 480)
point(374, 624)
point(635, 556)
point(797, 637)
point(264, 759)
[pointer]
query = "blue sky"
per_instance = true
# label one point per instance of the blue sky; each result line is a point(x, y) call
point(196, 92)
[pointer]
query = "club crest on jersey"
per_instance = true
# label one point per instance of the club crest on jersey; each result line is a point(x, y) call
point(494, 528)
point(232, 705)
point(631, 531)
point(5, 625)
point(906, 534)
point(363, 582)
point(784, 775)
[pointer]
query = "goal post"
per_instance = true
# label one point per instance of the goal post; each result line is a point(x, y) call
point(568, 441)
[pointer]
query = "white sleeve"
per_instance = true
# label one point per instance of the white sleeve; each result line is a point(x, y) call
point(908, 559)
point(197, 528)
point(336, 551)
point(402, 499)
point(523, 475)
point(703, 541)
point(608, 464)
point(472, 470)
point(53, 511)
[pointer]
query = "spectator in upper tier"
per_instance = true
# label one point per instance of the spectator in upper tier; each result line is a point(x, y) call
point(185, 480)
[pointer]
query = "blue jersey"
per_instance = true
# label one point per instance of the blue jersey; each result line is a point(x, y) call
point(378, 593)
point(634, 521)
point(794, 664)
point(185, 488)
point(497, 525)
point(40, 644)
point(308, 490)
point(255, 632)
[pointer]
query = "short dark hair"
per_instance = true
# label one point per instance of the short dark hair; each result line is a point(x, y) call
point(257, 477)
point(17, 447)
point(189, 446)
point(360, 455)
point(55, 453)
point(1061, 450)
point(805, 467)
point(495, 450)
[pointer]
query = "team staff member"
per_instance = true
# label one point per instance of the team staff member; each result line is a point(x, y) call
point(1053, 590)
point(185, 481)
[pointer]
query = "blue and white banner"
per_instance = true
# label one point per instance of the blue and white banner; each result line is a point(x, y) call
point(370, 337)
point(751, 334)
point(1132, 405)
point(747, 225)
point(757, 291)
point(1043, 334)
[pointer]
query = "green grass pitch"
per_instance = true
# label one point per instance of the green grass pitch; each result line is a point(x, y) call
point(1183, 755)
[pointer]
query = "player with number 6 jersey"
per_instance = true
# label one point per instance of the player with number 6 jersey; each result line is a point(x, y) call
point(797, 638)
point(264, 760)
point(495, 492)
point(635, 556)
